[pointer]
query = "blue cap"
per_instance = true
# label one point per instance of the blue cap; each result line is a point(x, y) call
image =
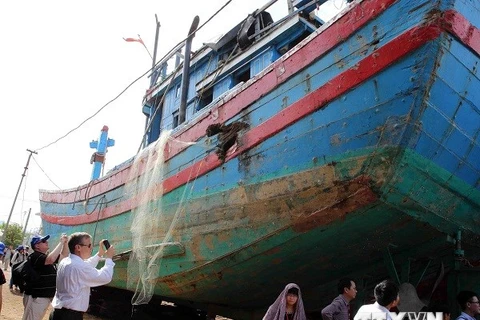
point(37, 238)
point(20, 248)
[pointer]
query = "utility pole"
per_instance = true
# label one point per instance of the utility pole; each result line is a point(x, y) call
point(25, 226)
point(18, 190)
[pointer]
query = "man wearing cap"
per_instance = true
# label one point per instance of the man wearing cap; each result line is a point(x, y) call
point(39, 294)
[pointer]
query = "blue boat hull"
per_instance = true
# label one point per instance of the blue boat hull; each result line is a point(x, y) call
point(361, 159)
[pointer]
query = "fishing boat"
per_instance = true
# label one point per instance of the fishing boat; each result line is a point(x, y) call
point(300, 150)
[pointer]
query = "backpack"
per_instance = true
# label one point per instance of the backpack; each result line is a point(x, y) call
point(23, 274)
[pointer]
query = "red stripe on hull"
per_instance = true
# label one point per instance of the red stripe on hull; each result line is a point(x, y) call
point(305, 53)
point(299, 58)
point(366, 68)
point(453, 22)
point(461, 28)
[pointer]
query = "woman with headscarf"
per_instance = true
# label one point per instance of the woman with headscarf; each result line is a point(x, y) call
point(288, 306)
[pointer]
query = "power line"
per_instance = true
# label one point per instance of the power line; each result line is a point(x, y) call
point(93, 115)
point(36, 162)
point(132, 83)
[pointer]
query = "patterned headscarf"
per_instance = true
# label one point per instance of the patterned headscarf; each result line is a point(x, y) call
point(278, 308)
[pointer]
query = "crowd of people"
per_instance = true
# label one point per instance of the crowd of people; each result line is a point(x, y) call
point(289, 304)
point(65, 274)
point(60, 277)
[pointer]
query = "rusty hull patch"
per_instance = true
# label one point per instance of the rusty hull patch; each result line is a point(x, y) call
point(227, 136)
point(345, 197)
point(250, 214)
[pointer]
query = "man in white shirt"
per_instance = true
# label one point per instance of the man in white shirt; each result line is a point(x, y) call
point(77, 274)
point(386, 294)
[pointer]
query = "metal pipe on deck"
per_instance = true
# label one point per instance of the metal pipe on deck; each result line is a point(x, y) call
point(186, 71)
point(155, 47)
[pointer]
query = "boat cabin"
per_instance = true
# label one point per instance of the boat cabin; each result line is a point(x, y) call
point(218, 69)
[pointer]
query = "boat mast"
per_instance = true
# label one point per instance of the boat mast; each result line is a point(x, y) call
point(154, 59)
point(153, 74)
point(186, 71)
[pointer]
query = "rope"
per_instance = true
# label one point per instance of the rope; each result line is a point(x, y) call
point(98, 215)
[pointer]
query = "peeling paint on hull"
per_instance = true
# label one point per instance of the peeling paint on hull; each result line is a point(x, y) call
point(368, 143)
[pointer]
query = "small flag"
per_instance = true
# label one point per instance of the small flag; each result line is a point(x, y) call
point(134, 40)
point(139, 39)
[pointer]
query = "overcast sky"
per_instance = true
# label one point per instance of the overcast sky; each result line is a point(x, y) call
point(61, 61)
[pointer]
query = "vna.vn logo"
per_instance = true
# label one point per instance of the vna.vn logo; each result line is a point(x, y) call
point(399, 316)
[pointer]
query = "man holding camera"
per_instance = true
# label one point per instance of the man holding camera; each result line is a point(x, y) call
point(77, 274)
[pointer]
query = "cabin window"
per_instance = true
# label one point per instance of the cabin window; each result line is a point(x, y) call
point(243, 75)
point(175, 119)
point(177, 91)
point(262, 61)
point(156, 119)
point(205, 98)
point(284, 48)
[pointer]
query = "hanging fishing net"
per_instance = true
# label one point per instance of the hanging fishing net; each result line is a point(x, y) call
point(146, 218)
point(151, 225)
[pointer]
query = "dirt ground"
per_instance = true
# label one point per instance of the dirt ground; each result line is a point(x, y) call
point(12, 303)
